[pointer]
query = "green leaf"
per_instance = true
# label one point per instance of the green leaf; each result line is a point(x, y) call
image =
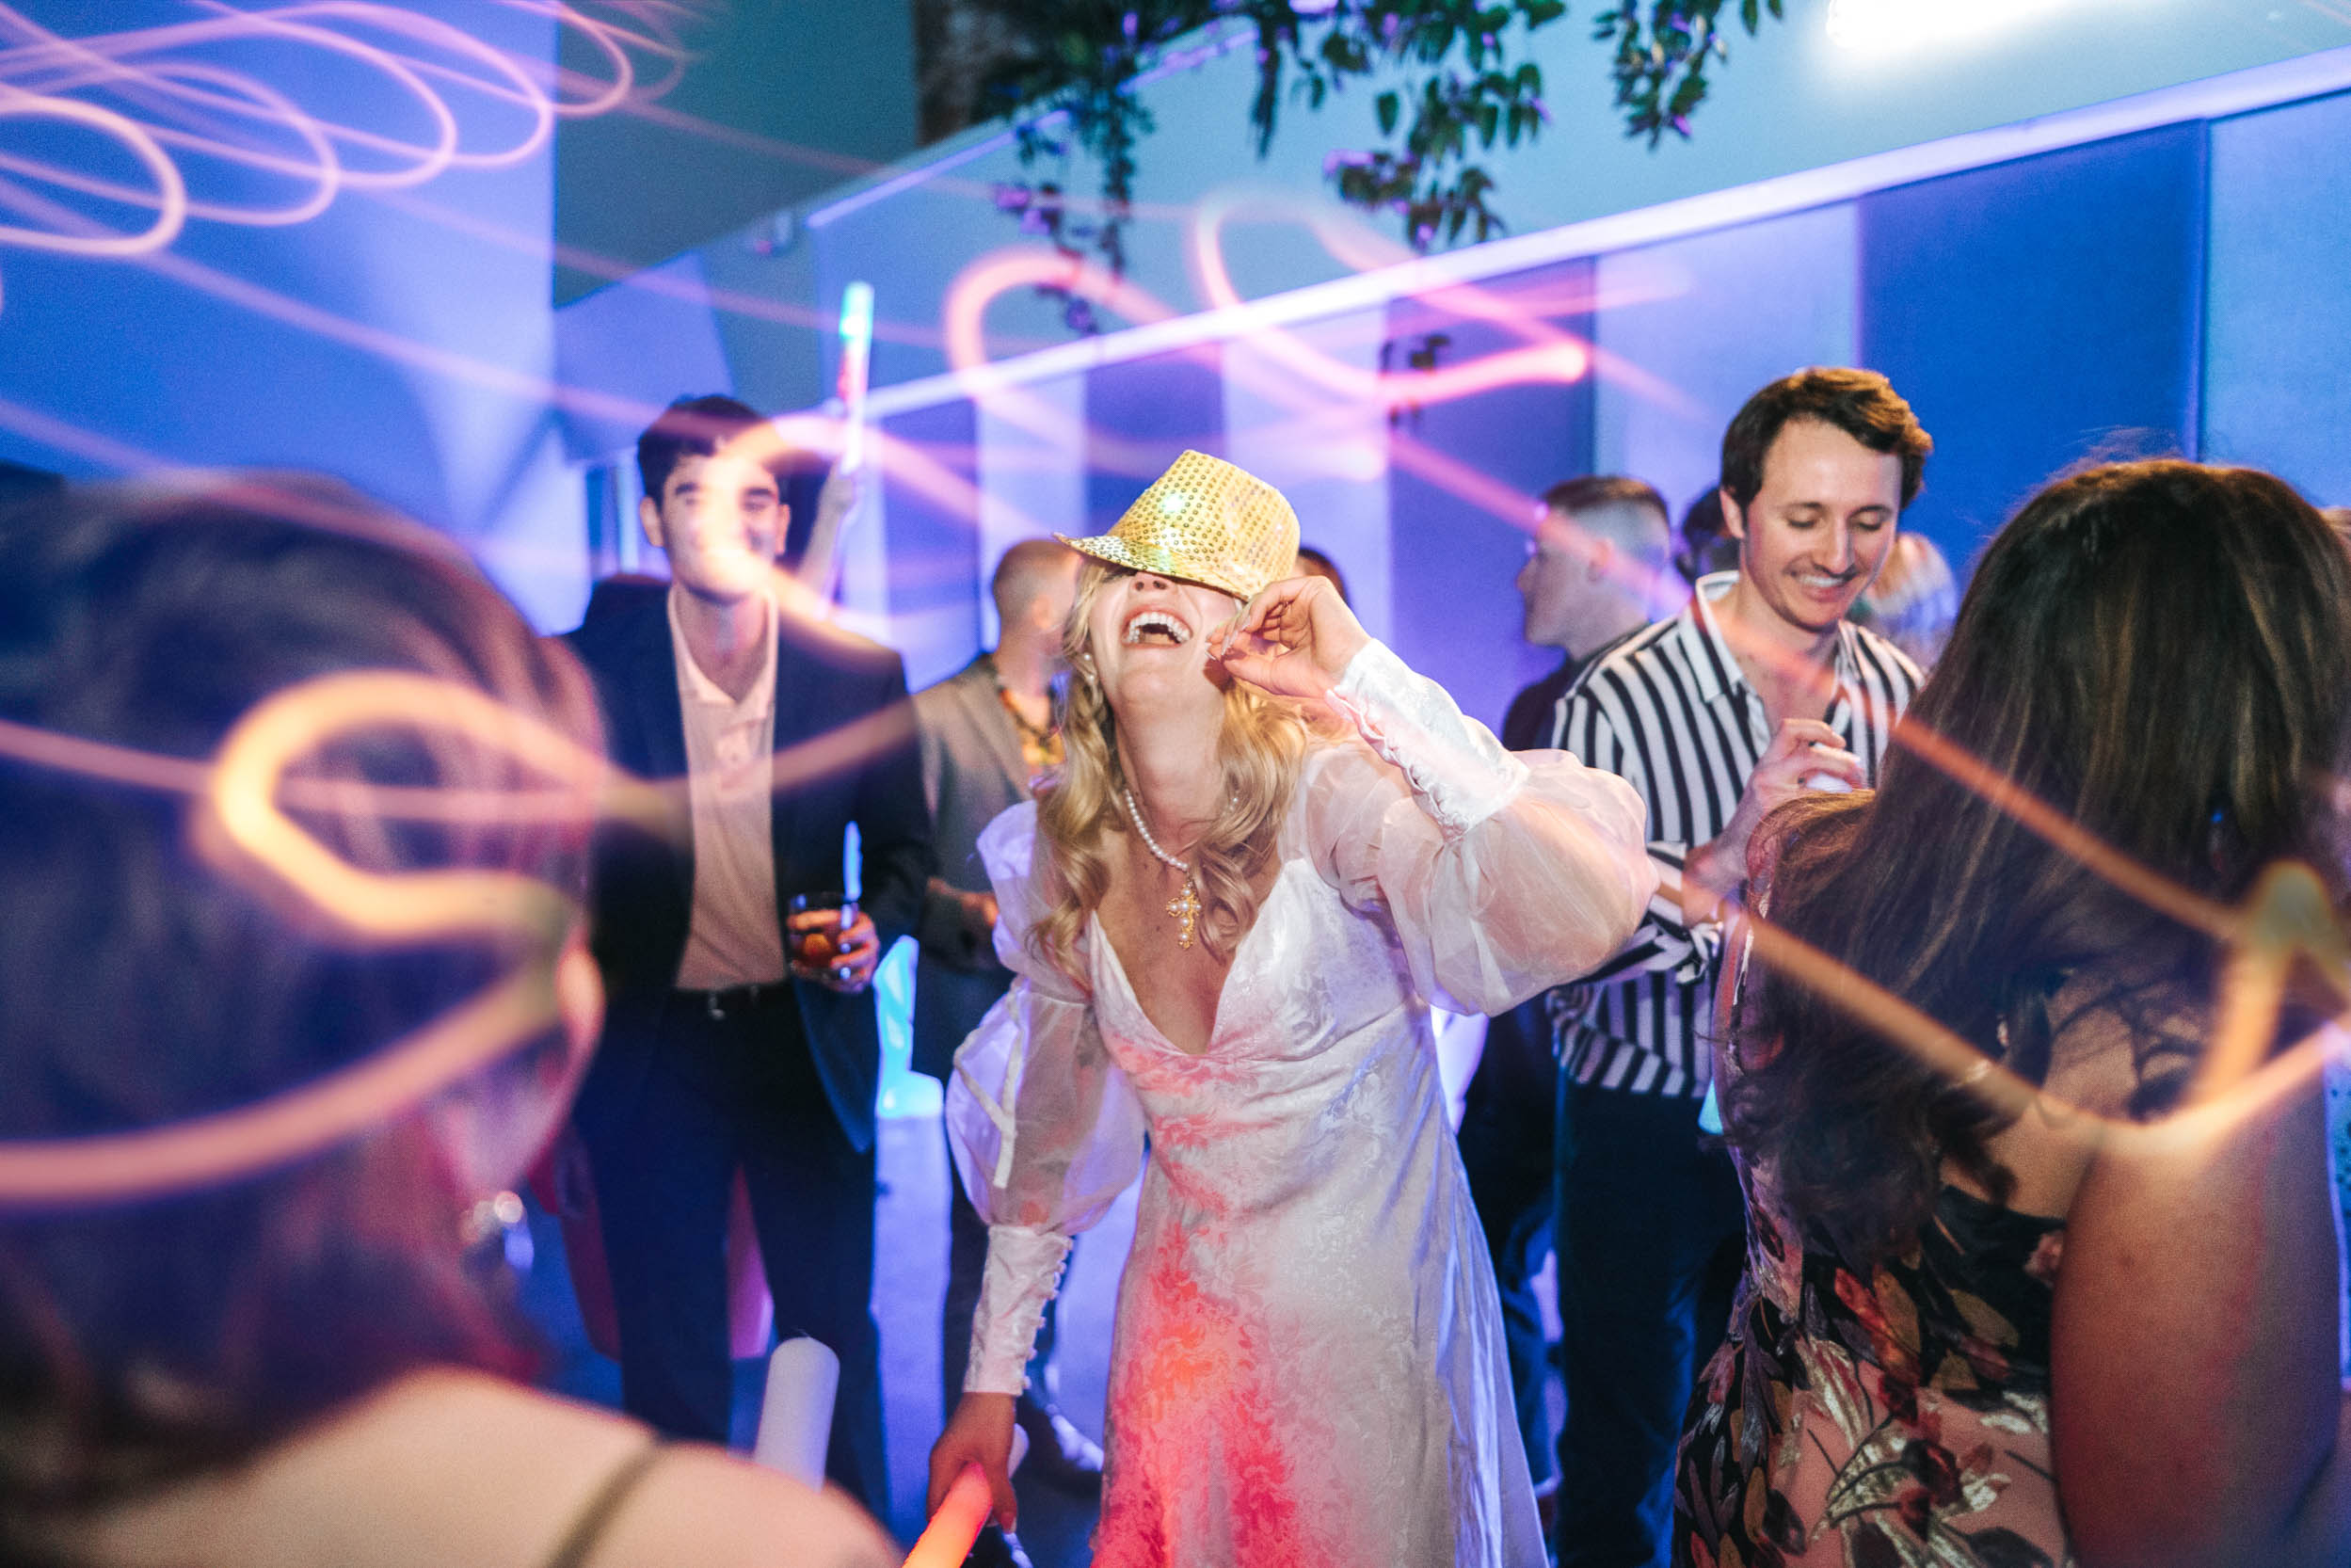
point(1387, 105)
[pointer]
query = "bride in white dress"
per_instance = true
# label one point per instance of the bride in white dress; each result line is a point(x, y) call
point(1272, 848)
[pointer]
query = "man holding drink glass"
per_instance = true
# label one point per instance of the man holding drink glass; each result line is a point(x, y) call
point(741, 1033)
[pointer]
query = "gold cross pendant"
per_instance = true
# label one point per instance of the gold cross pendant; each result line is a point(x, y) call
point(1185, 907)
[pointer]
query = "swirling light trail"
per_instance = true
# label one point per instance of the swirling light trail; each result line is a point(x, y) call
point(170, 197)
point(244, 830)
point(40, 69)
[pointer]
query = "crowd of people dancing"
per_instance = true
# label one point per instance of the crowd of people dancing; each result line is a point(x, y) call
point(1908, 1009)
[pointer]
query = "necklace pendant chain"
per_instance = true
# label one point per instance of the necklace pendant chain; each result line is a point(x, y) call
point(1184, 908)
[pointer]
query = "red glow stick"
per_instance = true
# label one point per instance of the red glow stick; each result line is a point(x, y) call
point(962, 1513)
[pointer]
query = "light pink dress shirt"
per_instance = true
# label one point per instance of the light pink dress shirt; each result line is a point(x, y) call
point(733, 937)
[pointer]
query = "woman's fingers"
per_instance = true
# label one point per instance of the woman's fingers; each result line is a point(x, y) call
point(1000, 1491)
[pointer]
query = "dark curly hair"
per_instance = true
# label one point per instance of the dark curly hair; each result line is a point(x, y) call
point(2160, 651)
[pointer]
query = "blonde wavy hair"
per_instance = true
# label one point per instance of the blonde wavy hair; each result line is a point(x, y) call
point(1259, 751)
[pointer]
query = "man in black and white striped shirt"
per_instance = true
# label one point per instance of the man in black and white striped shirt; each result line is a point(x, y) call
point(1758, 690)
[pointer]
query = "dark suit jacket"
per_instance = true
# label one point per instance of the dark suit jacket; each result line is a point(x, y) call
point(844, 700)
point(1527, 725)
point(972, 772)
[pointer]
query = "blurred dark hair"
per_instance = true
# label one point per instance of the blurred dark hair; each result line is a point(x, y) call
point(1590, 491)
point(697, 427)
point(2162, 652)
point(144, 1339)
point(1706, 544)
point(1315, 563)
point(1860, 402)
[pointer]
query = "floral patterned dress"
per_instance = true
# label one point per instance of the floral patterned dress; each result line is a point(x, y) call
point(1900, 1420)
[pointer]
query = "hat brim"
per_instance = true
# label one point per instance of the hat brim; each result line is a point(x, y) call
point(1120, 553)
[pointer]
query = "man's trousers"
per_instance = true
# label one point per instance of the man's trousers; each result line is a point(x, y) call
point(1651, 1232)
point(726, 1086)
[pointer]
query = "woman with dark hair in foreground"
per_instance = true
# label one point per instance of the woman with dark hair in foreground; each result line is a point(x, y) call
point(1976, 1337)
point(283, 1358)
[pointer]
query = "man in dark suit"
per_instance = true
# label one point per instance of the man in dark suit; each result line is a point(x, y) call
point(1596, 567)
point(739, 1036)
point(987, 732)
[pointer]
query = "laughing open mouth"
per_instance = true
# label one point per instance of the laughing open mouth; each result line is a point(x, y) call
point(1154, 628)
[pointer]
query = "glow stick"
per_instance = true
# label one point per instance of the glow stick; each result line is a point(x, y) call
point(962, 1513)
point(796, 1413)
point(947, 1540)
point(856, 364)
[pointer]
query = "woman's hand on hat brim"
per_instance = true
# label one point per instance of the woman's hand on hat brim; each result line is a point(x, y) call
point(1293, 639)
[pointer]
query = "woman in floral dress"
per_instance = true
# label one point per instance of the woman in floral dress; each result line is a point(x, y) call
point(1992, 1319)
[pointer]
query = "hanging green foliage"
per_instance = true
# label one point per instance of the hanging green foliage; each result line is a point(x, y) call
point(1465, 89)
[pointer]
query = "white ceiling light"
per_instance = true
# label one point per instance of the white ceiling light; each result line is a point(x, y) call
point(1885, 26)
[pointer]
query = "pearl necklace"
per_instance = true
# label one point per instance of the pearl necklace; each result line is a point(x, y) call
point(1184, 905)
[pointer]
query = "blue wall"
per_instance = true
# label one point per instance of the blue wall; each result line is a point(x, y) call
point(936, 584)
point(2278, 354)
point(1456, 615)
point(1694, 326)
point(1140, 414)
point(2036, 313)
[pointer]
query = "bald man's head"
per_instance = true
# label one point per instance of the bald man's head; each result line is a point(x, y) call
point(1033, 586)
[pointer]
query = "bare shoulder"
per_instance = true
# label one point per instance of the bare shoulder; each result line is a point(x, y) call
point(708, 1507)
point(2122, 1051)
point(2116, 1055)
point(691, 1503)
point(444, 1465)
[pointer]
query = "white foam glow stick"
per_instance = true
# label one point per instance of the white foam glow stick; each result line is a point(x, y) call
point(796, 1413)
point(856, 364)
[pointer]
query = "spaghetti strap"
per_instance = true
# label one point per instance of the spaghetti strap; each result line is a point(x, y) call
point(588, 1526)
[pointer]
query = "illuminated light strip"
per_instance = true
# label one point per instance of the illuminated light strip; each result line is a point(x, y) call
point(1555, 356)
point(2216, 97)
point(1887, 26)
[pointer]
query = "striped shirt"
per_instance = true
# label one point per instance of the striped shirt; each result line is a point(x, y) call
point(1668, 710)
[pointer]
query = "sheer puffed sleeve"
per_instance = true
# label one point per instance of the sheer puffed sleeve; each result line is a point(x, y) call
point(1045, 1129)
point(1504, 872)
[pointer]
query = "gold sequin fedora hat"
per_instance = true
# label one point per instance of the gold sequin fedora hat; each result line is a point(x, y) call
point(1203, 521)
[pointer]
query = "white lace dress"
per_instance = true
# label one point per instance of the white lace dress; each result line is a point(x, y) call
point(1307, 1366)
